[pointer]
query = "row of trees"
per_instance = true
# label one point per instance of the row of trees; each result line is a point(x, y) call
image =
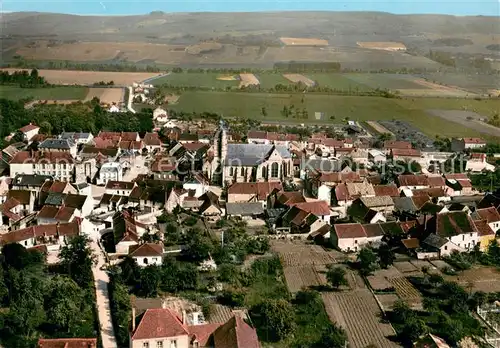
point(46, 302)
point(80, 117)
point(68, 65)
point(22, 79)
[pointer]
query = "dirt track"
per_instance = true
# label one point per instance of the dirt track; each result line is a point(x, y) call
point(473, 122)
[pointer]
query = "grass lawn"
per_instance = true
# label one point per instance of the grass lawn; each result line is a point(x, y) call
point(249, 105)
point(49, 93)
point(337, 81)
point(385, 81)
point(195, 80)
point(269, 80)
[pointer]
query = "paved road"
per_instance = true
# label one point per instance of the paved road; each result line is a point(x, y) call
point(101, 283)
point(130, 99)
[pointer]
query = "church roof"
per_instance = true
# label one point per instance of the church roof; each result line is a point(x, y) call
point(252, 154)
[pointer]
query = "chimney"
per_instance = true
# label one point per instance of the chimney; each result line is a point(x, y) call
point(184, 317)
point(133, 319)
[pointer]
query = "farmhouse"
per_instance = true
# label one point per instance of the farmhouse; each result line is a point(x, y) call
point(29, 131)
point(490, 215)
point(146, 254)
point(461, 144)
point(405, 154)
point(252, 191)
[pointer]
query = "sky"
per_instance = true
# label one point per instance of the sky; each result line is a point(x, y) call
point(132, 7)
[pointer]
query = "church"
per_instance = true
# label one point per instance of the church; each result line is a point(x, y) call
point(248, 162)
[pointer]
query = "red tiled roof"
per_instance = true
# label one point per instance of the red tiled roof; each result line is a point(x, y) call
point(42, 157)
point(483, 229)
point(261, 189)
point(456, 176)
point(131, 145)
point(48, 212)
point(109, 135)
point(386, 190)
point(341, 192)
point(129, 136)
point(163, 164)
point(120, 185)
point(338, 177)
point(349, 230)
point(105, 143)
point(256, 135)
point(22, 196)
point(408, 225)
point(406, 152)
point(202, 333)
point(435, 181)
point(474, 141)
point(318, 208)
point(64, 229)
point(419, 201)
point(67, 343)
point(412, 180)
point(373, 230)
point(430, 192)
point(411, 243)
point(194, 146)
point(290, 198)
point(152, 139)
point(144, 250)
point(488, 214)
point(28, 128)
point(464, 182)
point(391, 144)
point(454, 223)
point(159, 323)
point(235, 333)
point(333, 142)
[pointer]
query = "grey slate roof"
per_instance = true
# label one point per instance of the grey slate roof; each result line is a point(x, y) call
point(56, 144)
point(31, 179)
point(244, 209)
point(435, 241)
point(71, 135)
point(404, 204)
point(252, 154)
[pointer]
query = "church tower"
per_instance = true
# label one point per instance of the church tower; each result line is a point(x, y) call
point(220, 153)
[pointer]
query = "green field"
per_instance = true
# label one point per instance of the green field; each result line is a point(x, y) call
point(269, 80)
point(385, 81)
point(48, 93)
point(249, 105)
point(185, 79)
point(338, 81)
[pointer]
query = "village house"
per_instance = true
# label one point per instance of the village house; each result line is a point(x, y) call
point(62, 145)
point(322, 184)
point(123, 188)
point(160, 115)
point(127, 231)
point(60, 165)
point(390, 190)
point(245, 210)
point(458, 228)
point(267, 138)
point(163, 327)
point(78, 138)
point(458, 185)
point(52, 236)
point(477, 163)
point(29, 131)
point(349, 237)
point(382, 204)
point(462, 144)
point(376, 156)
point(390, 145)
point(163, 168)
point(197, 183)
point(490, 215)
point(485, 233)
point(406, 155)
point(110, 171)
point(152, 142)
point(412, 182)
point(30, 182)
point(147, 254)
point(346, 193)
point(252, 191)
point(210, 206)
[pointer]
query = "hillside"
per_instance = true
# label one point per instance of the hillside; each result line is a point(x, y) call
point(244, 39)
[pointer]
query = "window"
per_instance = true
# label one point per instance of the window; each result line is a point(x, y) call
point(145, 261)
point(445, 247)
point(242, 171)
point(355, 241)
point(463, 238)
point(173, 344)
point(274, 170)
point(145, 345)
point(471, 234)
point(231, 171)
point(159, 344)
point(264, 174)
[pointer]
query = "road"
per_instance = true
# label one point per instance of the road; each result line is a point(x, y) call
point(101, 280)
point(130, 99)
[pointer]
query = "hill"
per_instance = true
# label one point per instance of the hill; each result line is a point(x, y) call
point(247, 39)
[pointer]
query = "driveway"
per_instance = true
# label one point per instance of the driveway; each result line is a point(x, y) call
point(101, 283)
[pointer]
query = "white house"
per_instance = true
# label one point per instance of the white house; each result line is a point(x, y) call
point(459, 145)
point(110, 171)
point(114, 108)
point(160, 115)
point(147, 254)
point(491, 215)
point(439, 245)
point(376, 156)
point(29, 131)
point(349, 237)
point(197, 183)
point(123, 188)
point(458, 228)
point(477, 163)
point(60, 165)
point(79, 138)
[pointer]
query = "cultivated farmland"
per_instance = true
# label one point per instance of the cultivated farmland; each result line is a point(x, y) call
point(296, 78)
point(407, 292)
point(106, 95)
point(248, 80)
point(297, 41)
point(486, 279)
point(48, 93)
point(203, 79)
point(74, 77)
point(357, 312)
point(385, 46)
point(299, 254)
point(386, 81)
point(338, 81)
point(379, 128)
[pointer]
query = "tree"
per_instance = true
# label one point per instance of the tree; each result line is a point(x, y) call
point(263, 111)
point(46, 128)
point(77, 259)
point(149, 282)
point(275, 317)
point(367, 261)
point(413, 329)
point(332, 337)
point(198, 246)
point(386, 256)
point(336, 276)
point(16, 256)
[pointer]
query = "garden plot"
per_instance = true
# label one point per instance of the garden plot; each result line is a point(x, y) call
point(406, 267)
point(358, 313)
point(407, 292)
point(380, 280)
point(404, 131)
point(387, 300)
point(486, 279)
point(379, 128)
point(298, 278)
point(301, 254)
point(420, 264)
point(248, 80)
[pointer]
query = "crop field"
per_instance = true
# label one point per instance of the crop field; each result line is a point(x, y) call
point(358, 313)
point(486, 279)
point(249, 105)
point(386, 81)
point(247, 80)
point(106, 95)
point(467, 118)
point(269, 80)
point(49, 93)
point(338, 81)
point(471, 82)
point(207, 80)
point(407, 292)
point(74, 77)
point(379, 128)
point(406, 267)
point(301, 254)
point(387, 300)
point(386, 46)
point(298, 278)
point(297, 41)
point(380, 280)
point(296, 78)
